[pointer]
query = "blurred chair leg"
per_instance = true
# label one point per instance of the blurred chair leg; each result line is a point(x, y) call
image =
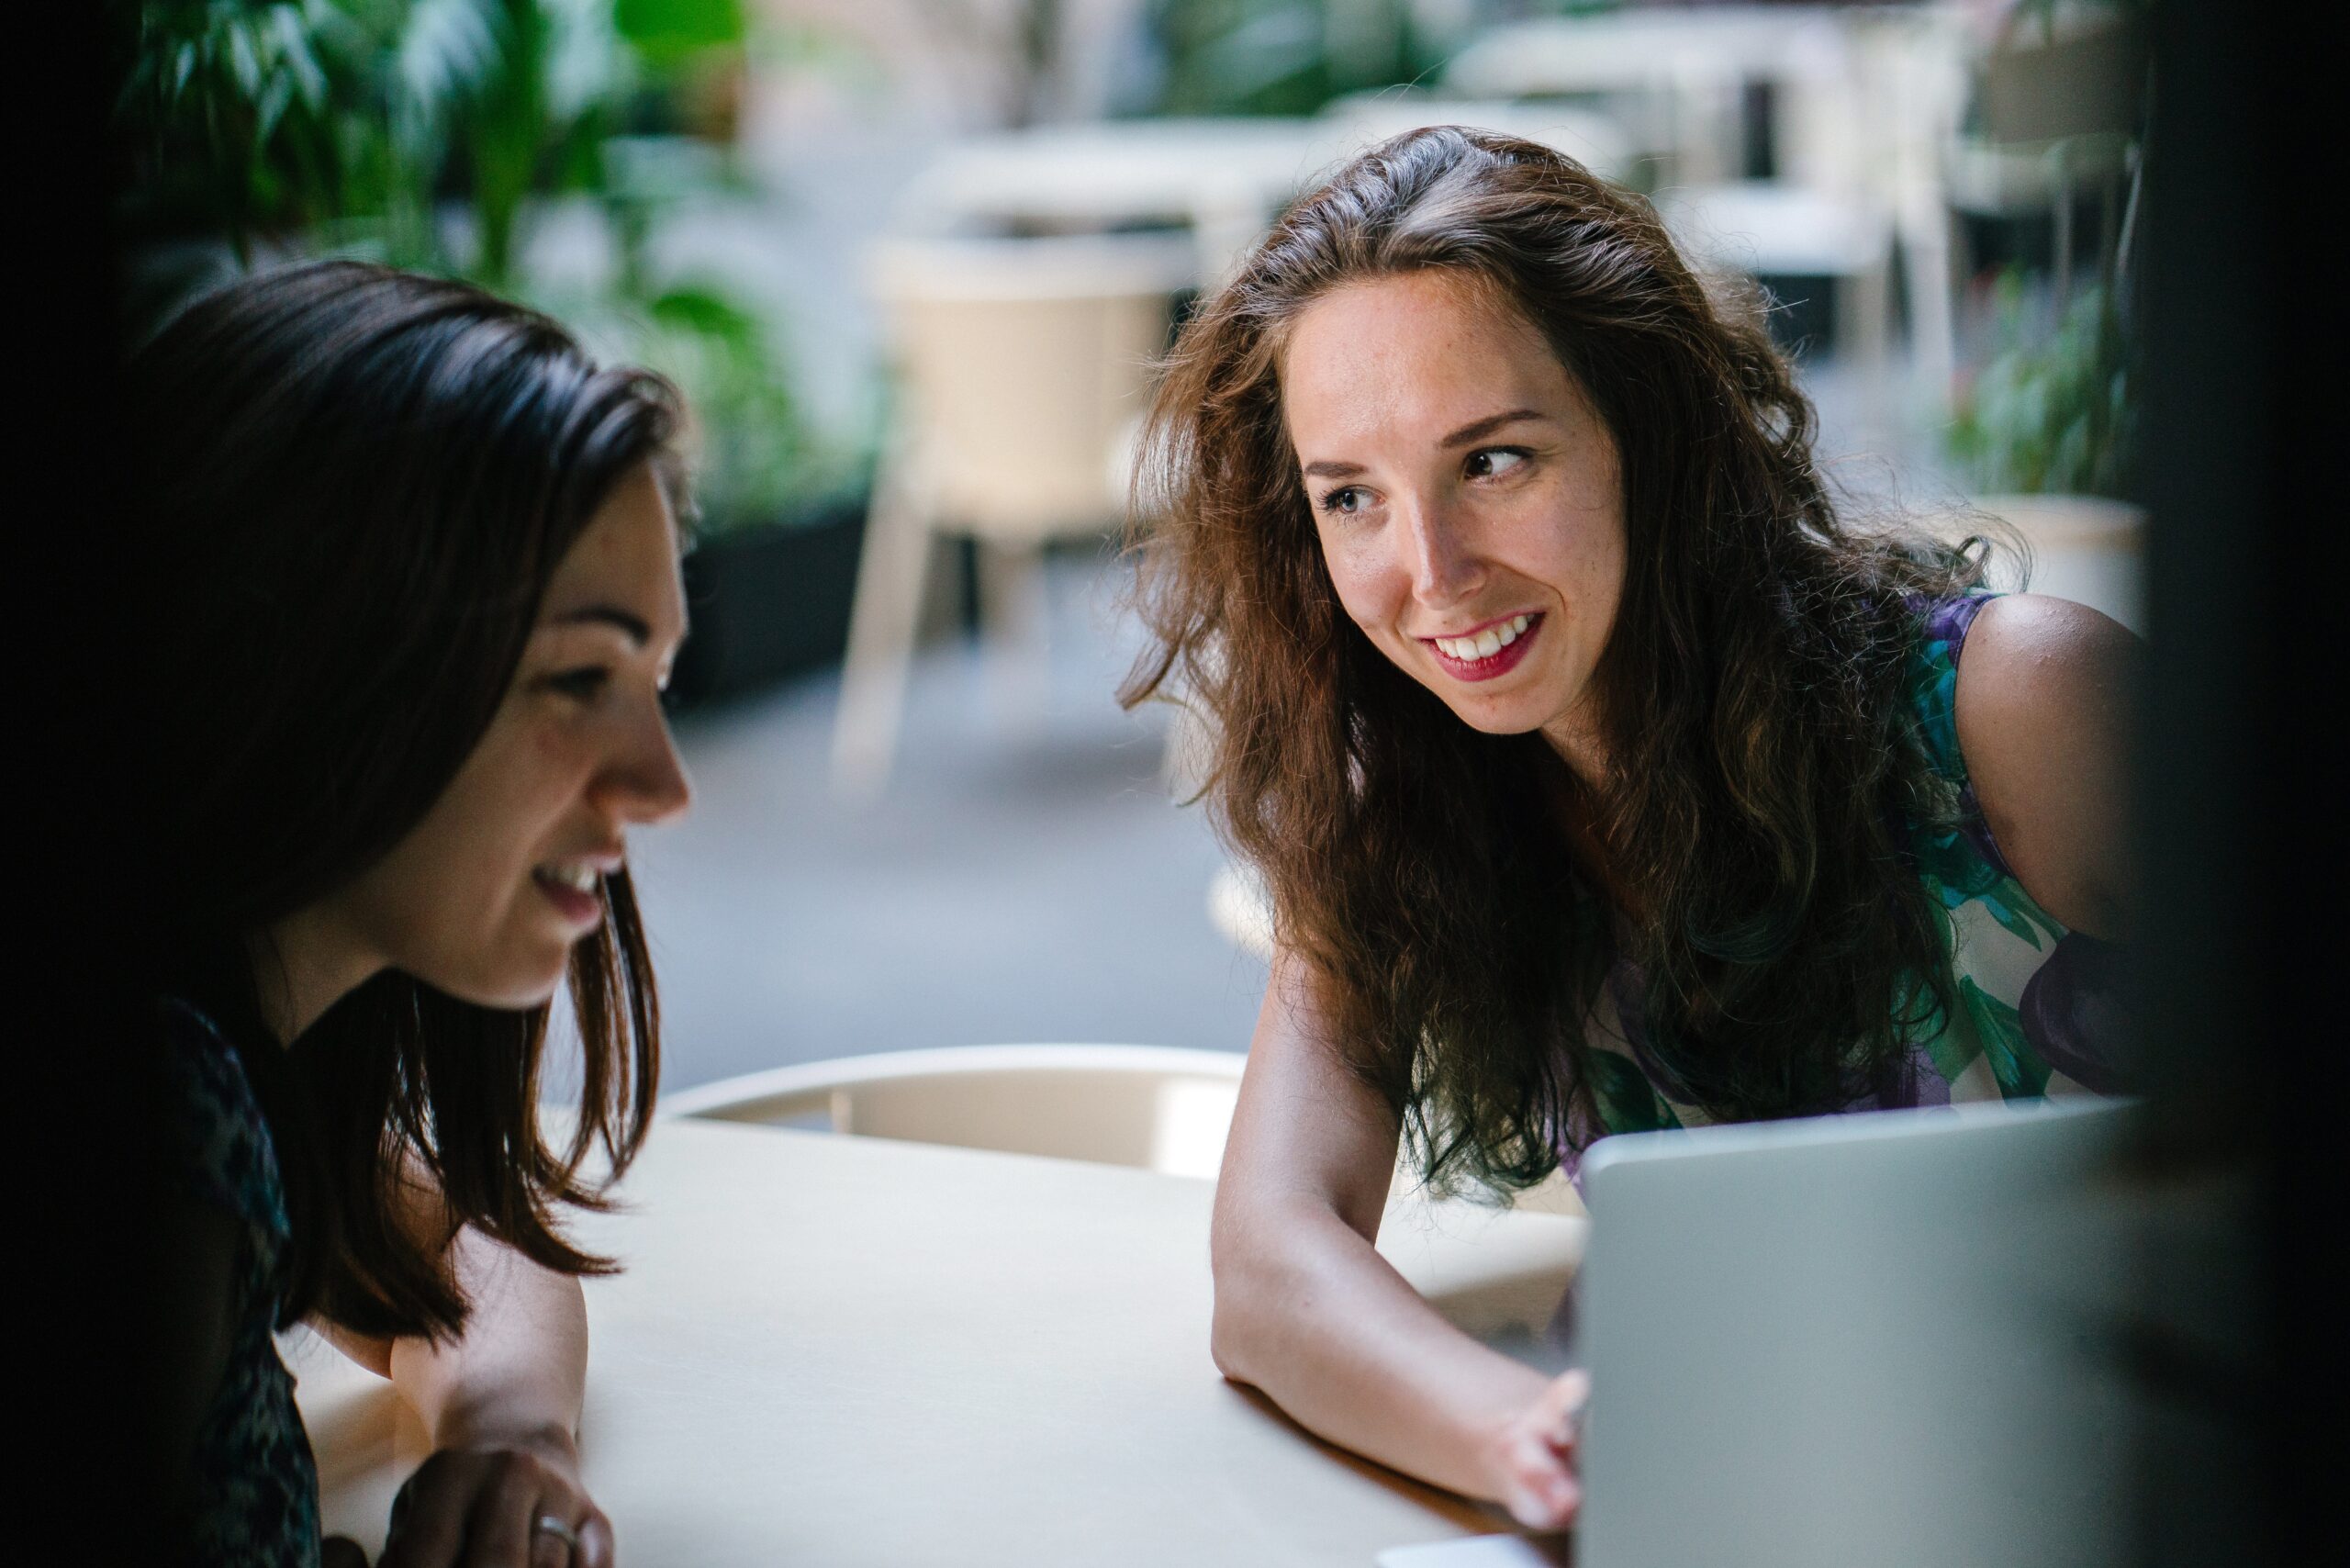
point(1014, 610)
point(1933, 331)
point(1862, 330)
point(882, 625)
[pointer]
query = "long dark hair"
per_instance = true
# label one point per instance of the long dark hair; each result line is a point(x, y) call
point(351, 486)
point(1751, 691)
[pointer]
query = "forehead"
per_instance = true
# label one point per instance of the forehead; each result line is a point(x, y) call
point(1419, 354)
point(627, 554)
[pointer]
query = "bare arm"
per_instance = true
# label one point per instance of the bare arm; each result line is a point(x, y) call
point(520, 1371)
point(1309, 1312)
point(2045, 693)
point(502, 1403)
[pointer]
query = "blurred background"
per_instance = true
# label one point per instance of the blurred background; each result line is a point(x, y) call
point(910, 260)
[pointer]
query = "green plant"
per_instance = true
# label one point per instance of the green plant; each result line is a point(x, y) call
point(364, 126)
point(232, 112)
point(1281, 56)
point(1292, 57)
point(757, 458)
point(268, 118)
point(673, 34)
point(2053, 409)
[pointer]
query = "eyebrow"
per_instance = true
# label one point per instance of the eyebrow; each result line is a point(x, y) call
point(1479, 430)
point(1476, 430)
point(611, 615)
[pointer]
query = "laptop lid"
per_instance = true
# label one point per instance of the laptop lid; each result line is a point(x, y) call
point(1882, 1339)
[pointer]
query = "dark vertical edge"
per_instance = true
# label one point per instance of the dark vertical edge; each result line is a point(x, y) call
point(95, 1313)
point(2239, 828)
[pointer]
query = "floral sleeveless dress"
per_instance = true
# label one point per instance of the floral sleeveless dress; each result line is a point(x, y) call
point(2038, 1006)
point(256, 1484)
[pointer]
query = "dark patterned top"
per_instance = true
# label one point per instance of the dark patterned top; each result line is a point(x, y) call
point(2037, 1008)
point(256, 1485)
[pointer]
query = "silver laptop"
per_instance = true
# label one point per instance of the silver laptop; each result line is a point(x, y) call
point(1882, 1339)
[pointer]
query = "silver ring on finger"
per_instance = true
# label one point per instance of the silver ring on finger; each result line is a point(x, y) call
point(547, 1524)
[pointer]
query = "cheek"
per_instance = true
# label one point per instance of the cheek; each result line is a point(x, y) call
point(520, 779)
point(1370, 590)
point(541, 772)
point(1585, 546)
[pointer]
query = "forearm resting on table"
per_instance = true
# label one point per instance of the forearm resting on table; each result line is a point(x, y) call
point(518, 1371)
point(1307, 1311)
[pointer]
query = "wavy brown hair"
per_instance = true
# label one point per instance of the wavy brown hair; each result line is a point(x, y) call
point(1766, 771)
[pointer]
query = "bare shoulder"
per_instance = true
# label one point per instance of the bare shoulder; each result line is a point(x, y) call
point(2035, 628)
point(2046, 691)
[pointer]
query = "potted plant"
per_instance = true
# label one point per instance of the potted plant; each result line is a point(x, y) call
point(2044, 425)
point(2043, 433)
point(773, 569)
point(426, 133)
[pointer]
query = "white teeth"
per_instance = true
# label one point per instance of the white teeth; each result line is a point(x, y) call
point(1486, 644)
point(579, 879)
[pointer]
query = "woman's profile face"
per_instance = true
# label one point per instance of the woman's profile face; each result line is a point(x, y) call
point(1466, 496)
point(486, 896)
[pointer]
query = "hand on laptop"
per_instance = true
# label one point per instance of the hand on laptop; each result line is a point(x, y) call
point(1532, 1458)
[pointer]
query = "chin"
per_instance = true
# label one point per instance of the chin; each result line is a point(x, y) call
point(517, 988)
point(1498, 719)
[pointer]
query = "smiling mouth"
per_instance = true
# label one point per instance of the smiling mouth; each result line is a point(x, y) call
point(576, 888)
point(1484, 644)
point(1491, 651)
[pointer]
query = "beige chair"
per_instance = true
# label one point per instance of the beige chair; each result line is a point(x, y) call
point(1161, 1108)
point(1152, 1107)
point(1022, 366)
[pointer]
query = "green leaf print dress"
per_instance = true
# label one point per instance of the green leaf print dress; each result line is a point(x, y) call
point(2037, 1007)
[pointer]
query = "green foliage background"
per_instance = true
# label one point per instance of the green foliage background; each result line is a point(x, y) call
point(365, 127)
point(2053, 410)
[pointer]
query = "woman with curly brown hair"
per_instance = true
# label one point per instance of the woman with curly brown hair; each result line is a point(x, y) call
point(1604, 778)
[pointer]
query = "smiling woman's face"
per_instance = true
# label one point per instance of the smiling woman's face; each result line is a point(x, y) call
point(486, 896)
point(1467, 497)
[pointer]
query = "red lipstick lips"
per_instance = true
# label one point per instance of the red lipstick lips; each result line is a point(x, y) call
point(1493, 665)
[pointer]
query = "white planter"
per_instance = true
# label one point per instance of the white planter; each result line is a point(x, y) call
point(2084, 548)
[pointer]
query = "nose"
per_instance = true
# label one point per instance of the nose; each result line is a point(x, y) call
point(1444, 567)
point(647, 784)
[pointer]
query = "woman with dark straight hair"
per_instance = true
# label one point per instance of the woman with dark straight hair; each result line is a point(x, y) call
point(1603, 776)
point(413, 598)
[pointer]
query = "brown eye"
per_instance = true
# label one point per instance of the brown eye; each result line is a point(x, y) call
point(585, 684)
point(1492, 462)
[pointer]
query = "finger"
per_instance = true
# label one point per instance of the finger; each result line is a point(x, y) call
point(427, 1517)
point(1566, 1393)
point(1561, 1402)
point(340, 1552)
point(569, 1548)
point(1543, 1498)
point(549, 1550)
point(597, 1549)
point(1540, 1490)
point(498, 1528)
